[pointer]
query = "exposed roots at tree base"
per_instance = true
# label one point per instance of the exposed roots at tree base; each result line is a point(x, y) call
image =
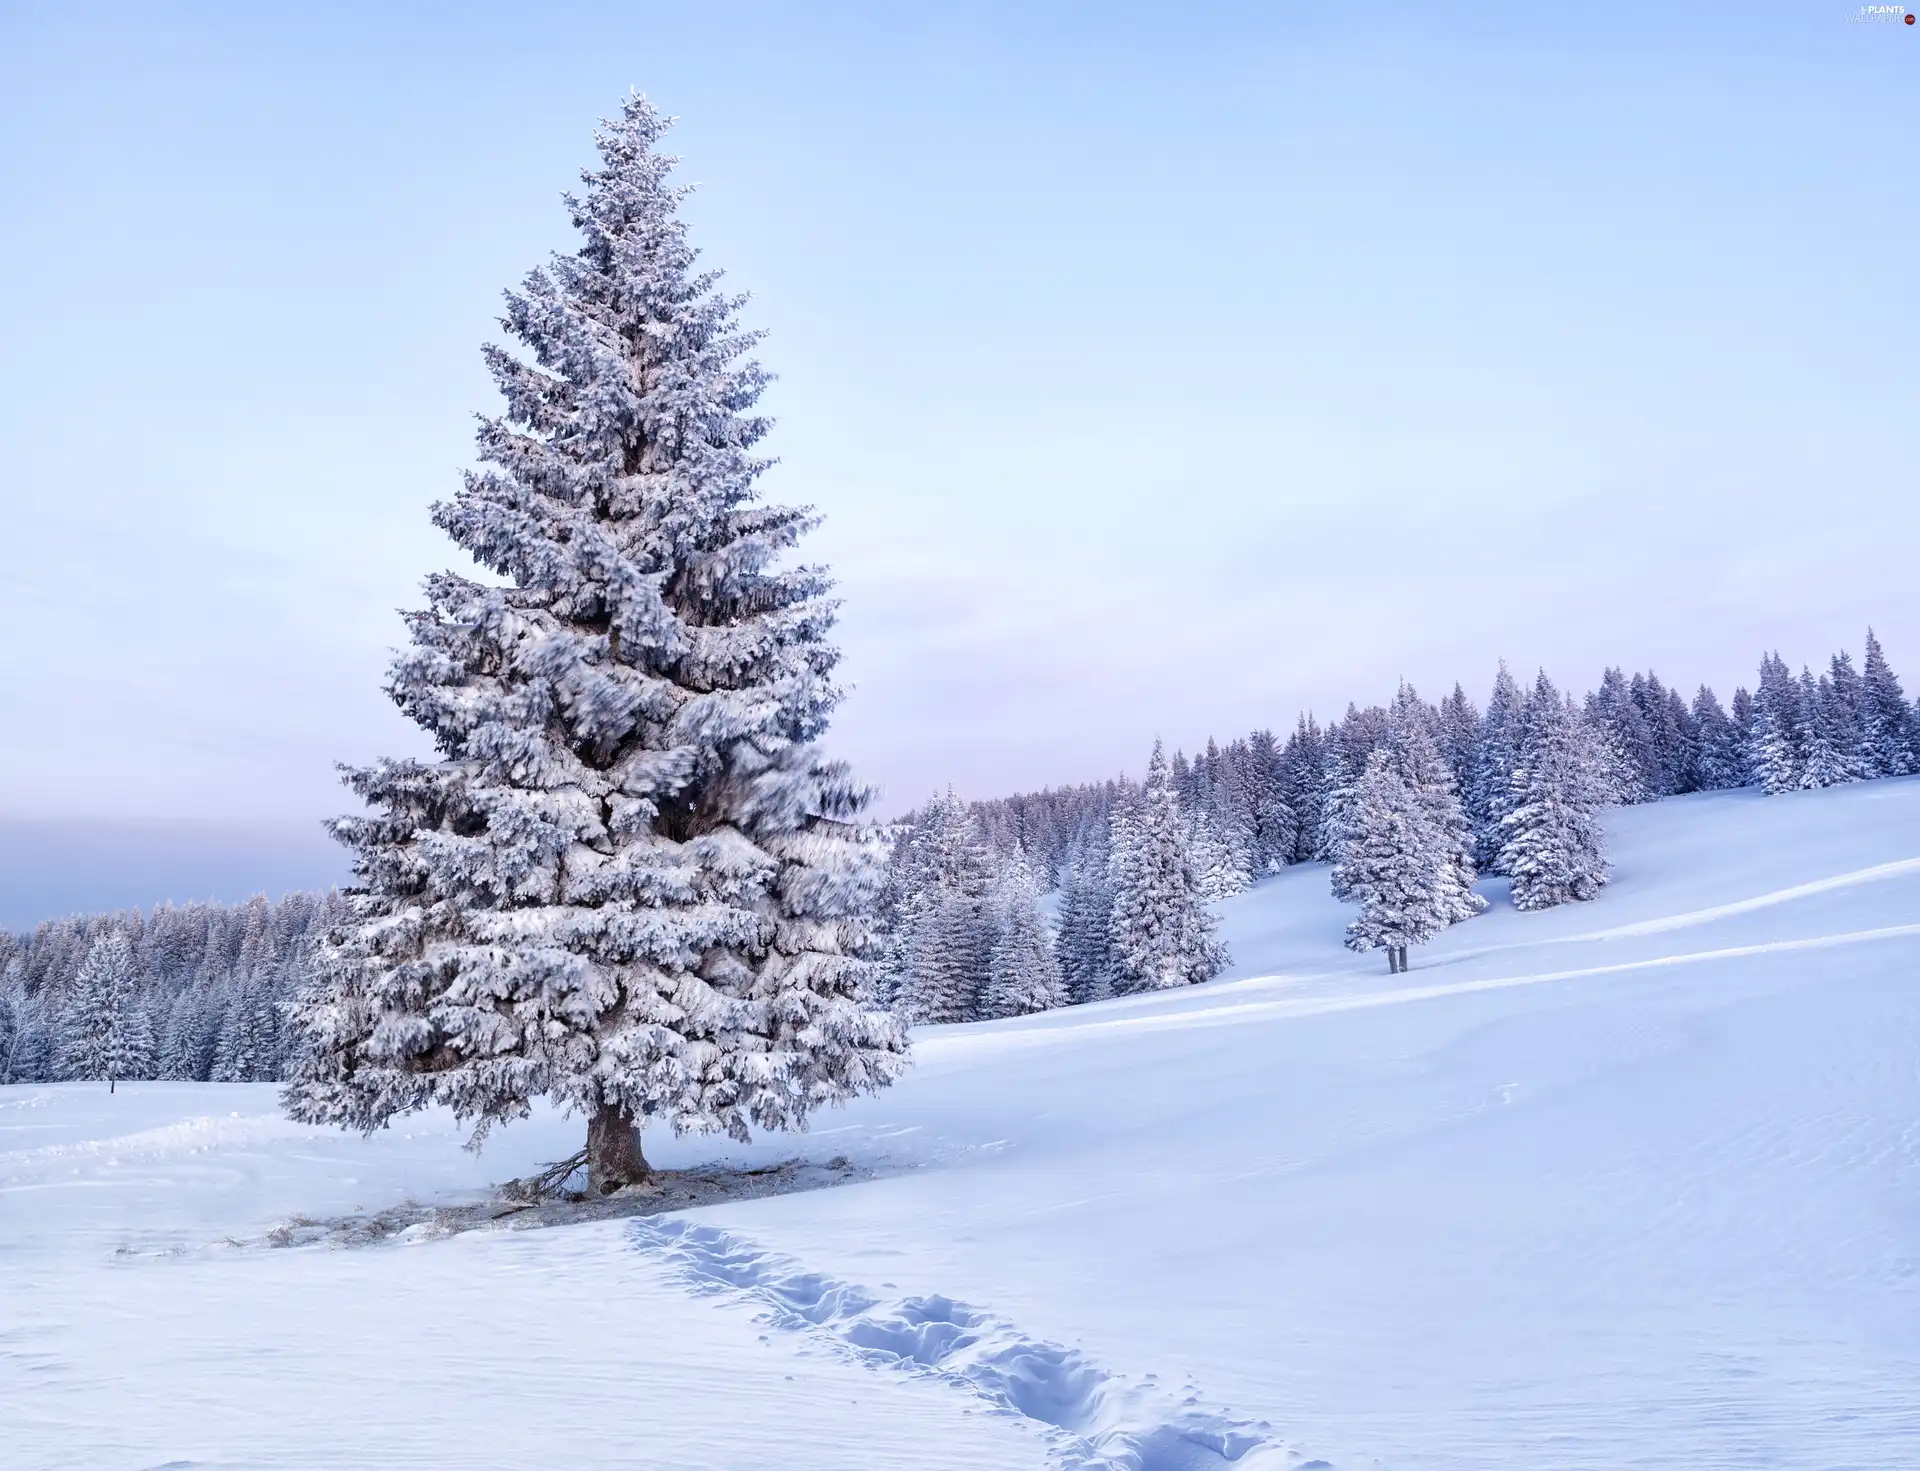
point(544, 1200)
point(549, 1183)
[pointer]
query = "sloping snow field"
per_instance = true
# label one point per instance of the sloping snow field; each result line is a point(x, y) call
point(1633, 1183)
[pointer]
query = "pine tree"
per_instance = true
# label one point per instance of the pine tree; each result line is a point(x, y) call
point(107, 1037)
point(631, 883)
point(1740, 712)
point(1085, 946)
point(1217, 873)
point(941, 855)
point(947, 965)
point(1162, 934)
point(1417, 759)
point(1888, 734)
point(1555, 837)
point(1276, 828)
point(1847, 716)
point(1720, 758)
point(1490, 793)
point(24, 1037)
point(1025, 973)
point(1303, 777)
point(1459, 737)
point(1393, 865)
point(1627, 740)
point(1826, 737)
point(1776, 751)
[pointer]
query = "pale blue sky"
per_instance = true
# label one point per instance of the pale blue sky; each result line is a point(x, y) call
point(1161, 369)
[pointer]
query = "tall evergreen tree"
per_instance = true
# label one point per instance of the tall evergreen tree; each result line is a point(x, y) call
point(1847, 716)
point(1459, 737)
point(1825, 759)
point(1025, 971)
point(1490, 793)
point(1393, 864)
point(1776, 752)
point(1162, 933)
point(1276, 827)
point(1087, 961)
point(947, 965)
point(1889, 740)
point(1555, 838)
point(1740, 712)
point(1303, 784)
point(1416, 756)
point(1719, 754)
point(631, 883)
point(1627, 740)
point(107, 1031)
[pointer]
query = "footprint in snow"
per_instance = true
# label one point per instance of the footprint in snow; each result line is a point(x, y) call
point(1097, 1421)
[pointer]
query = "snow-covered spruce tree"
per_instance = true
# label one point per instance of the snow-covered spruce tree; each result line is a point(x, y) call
point(941, 855)
point(1302, 778)
point(1392, 865)
point(946, 966)
point(1490, 794)
point(25, 1039)
point(1556, 849)
point(1162, 933)
point(1085, 944)
point(631, 884)
point(1025, 973)
point(1416, 756)
point(1847, 715)
point(1776, 751)
point(1459, 737)
point(1826, 760)
point(107, 1036)
point(1276, 829)
point(1888, 737)
point(1216, 872)
point(1719, 757)
point(1339, 789)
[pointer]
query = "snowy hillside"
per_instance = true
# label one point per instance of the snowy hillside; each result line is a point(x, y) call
point(1634, 1182)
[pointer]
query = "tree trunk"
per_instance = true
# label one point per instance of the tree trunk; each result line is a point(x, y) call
point(1404, 967)
point(613, 1151)
point(1393, 960)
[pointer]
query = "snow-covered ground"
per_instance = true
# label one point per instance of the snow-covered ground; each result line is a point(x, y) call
point(1634, 1183)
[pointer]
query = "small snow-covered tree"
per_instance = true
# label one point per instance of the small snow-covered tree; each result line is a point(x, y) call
point(107, 1036)
point(1025, 973)
point(631, 883)
point(1162, 933)
point(1556, 849)
point(1393, 865)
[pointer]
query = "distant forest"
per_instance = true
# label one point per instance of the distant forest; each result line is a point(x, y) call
point(195, 991)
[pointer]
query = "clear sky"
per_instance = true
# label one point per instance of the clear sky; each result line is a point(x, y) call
point(1162, 370)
